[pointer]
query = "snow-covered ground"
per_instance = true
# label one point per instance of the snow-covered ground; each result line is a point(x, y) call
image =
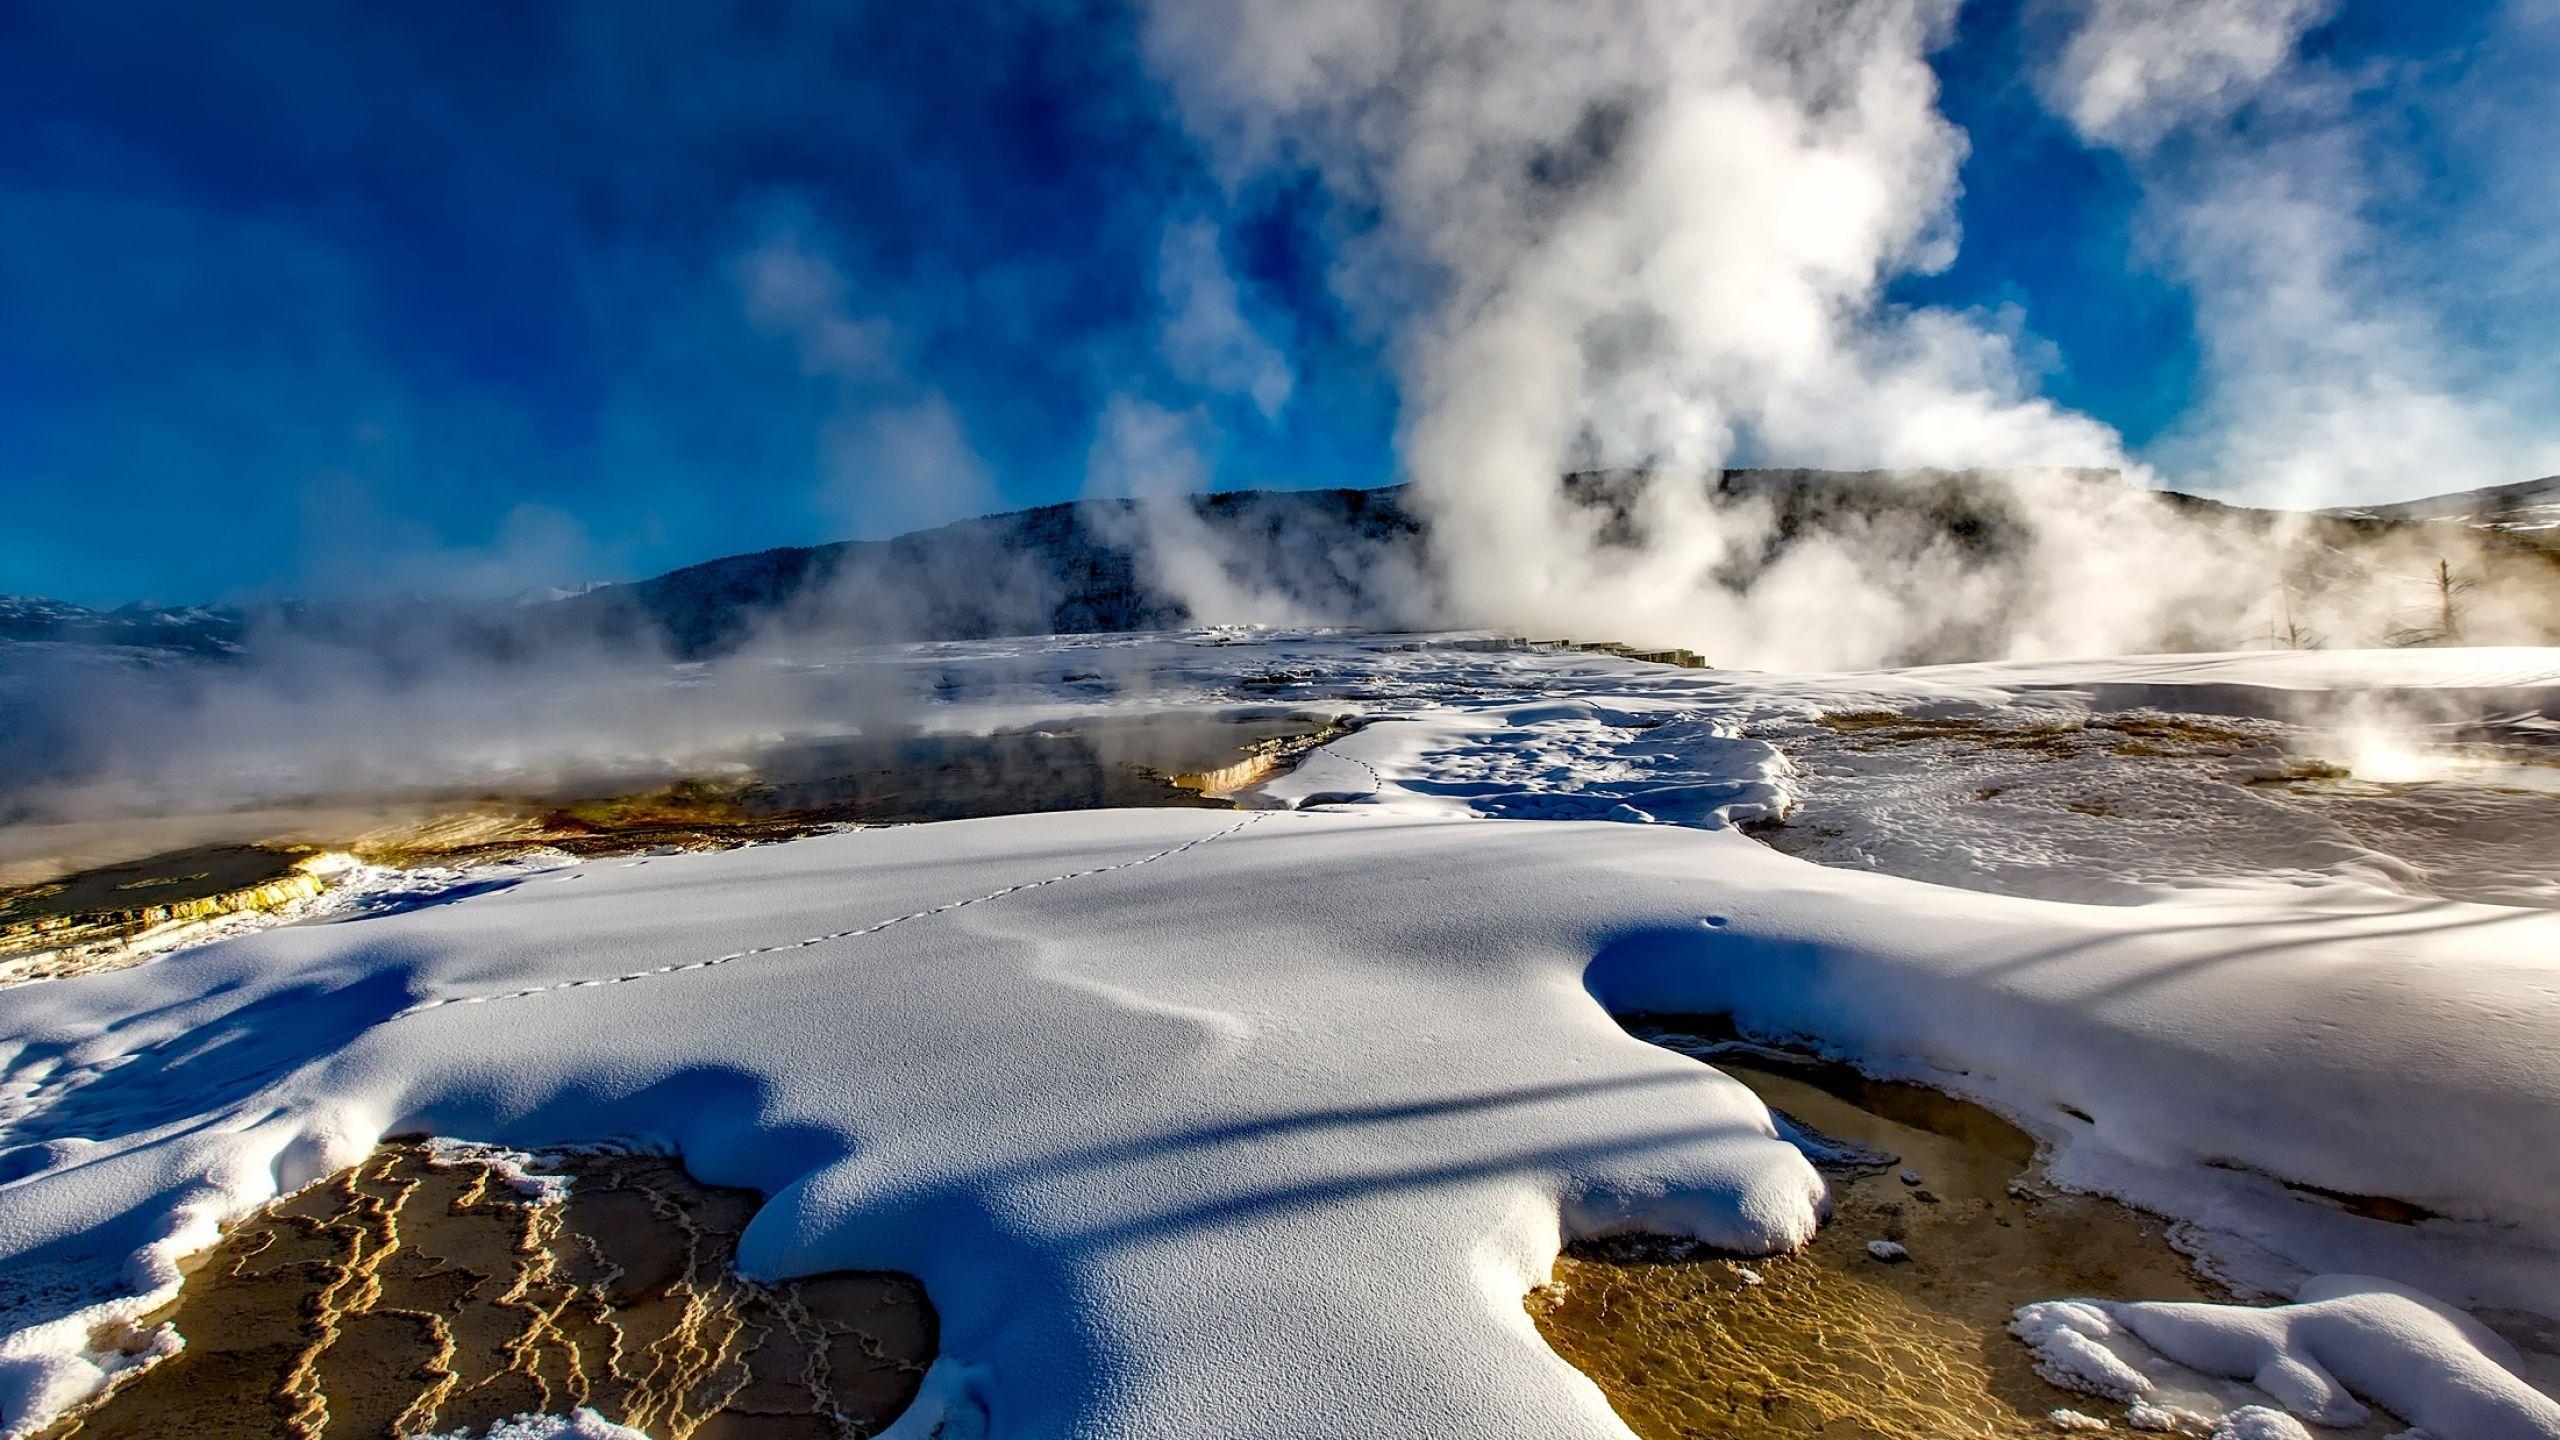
point(1263, 1123)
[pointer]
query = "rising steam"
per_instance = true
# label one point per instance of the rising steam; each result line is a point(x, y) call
point(1648, 234)
point(1651, 238)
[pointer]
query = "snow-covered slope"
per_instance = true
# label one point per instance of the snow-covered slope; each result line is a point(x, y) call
point(1203, 1123)
point(1186, 1119)
point(2525, 507)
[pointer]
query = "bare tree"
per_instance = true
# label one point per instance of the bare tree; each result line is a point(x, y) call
point(2448, 589)
point(2285, 628)
point(2446, 626)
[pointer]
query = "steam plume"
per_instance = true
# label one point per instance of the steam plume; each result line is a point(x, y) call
point(1656, 235)
point(2269, 179)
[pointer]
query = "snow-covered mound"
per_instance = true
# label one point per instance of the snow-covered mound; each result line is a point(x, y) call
point(2344, 1335)
point(2413, 685)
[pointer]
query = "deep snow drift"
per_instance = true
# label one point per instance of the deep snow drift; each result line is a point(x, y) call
point(1202, 1123)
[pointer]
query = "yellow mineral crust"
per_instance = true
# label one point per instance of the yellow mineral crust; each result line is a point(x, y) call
point(417, 1295)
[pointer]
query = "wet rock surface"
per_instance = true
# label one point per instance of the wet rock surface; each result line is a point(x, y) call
point(59, 927)
point(430, 1292)
point(2123, 808)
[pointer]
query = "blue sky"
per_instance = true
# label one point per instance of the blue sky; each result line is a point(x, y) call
point(348, 299)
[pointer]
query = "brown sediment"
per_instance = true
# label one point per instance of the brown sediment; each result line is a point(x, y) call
point(2175, 734)
point(1876, 728)
point(2301, 772)
point(2133, 734)
point(183, 885)
point(683, 815)
point(1673, 656)
point(413, 1295)
point(1831, 1341)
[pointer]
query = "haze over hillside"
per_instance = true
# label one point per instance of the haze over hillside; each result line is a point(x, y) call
point(1367, 557)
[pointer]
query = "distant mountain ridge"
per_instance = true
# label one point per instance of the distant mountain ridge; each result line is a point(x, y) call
point(1070, 568)
point(2527, 506)
point(1349, 556)
point(192, 629)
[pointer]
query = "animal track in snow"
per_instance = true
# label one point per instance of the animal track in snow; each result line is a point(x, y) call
point(851, 934)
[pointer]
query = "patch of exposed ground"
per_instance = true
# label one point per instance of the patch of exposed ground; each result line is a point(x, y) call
point(423, 1295)
point(1833, 1341)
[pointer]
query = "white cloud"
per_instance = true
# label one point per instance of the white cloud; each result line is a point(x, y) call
point(792, 289)
point(2132, 70)
point(355, 544)
point(894, 454)
point(1206, 337)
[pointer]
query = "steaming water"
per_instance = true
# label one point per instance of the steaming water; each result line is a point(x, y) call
point(2388, 758)
point(2121, 808)
point(770, 791)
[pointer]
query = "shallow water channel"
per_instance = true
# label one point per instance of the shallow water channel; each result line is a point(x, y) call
point(1832, 1340)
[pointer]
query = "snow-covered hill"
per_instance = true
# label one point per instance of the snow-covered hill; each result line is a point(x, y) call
point(209, 630)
